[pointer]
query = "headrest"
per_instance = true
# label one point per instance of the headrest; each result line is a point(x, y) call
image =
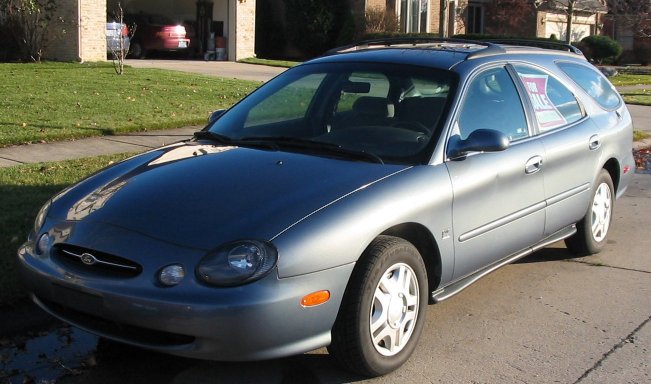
point(375, 106)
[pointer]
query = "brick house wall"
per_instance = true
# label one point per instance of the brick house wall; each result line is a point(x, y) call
point(434, 16)
point(371, 4)
point(78, 32)
point(242, 32)
point(93, 30)
point(62, 38)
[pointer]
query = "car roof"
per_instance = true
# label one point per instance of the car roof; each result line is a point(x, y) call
point(443, 53)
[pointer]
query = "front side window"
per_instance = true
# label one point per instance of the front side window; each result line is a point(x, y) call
point(392, 112)
point(553, 104)
point(594, 83)
point(492, 102)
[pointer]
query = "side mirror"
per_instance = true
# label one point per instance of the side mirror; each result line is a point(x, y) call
point(481, 140)
point(215, 115)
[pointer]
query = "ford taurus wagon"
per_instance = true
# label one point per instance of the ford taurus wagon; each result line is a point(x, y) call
point(333, 204)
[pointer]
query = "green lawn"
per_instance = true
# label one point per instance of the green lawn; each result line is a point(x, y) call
point(638, 96)
point(639, 135)
point(624, 80)
point(273, 63)
point(24, 189)
point(59, 101)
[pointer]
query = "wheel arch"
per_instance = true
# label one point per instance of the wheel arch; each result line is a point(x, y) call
point(421, 238)
point(612, 167)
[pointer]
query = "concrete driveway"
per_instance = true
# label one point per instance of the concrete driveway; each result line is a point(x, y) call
point(228, 69)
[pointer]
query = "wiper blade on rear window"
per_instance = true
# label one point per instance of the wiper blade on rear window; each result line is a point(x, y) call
point(314, 145)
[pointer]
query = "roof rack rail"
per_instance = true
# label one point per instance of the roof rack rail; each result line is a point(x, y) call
point(539, 44)
point(392, 41)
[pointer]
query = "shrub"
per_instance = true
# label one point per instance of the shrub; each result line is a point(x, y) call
point(600, 48)
point(314, 25)
point(29, 20)
point(379, 20)
point(269, 35)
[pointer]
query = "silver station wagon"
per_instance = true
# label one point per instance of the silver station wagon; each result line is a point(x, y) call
point(332, 204)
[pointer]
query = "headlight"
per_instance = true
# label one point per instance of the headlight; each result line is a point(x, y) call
point(237, 263)
point(40, 217)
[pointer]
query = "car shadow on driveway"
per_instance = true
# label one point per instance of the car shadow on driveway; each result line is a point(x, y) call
point(115, 362)
point(554, 252)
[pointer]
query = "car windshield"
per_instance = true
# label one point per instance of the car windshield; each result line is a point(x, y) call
point(379, 111)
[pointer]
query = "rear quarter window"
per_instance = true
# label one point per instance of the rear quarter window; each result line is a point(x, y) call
point(553, 104)
point(594, 83)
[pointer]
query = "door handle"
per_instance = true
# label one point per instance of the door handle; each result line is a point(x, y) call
point(595, 143)
point(533, 165)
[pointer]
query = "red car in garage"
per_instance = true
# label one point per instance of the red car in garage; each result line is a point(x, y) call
point(156, 33)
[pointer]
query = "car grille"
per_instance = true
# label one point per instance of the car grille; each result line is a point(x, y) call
point(85, 260)
point(115, 330)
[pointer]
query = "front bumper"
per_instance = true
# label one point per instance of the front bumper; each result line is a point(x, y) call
point(256, 321)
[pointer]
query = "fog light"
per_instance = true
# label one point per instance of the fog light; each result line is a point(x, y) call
point(171, 275)
point(43, 244)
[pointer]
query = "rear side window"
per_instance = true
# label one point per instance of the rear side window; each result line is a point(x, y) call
point(554, 105)
point(594, 83)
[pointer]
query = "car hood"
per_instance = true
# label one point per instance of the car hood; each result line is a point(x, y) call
point(201, 196)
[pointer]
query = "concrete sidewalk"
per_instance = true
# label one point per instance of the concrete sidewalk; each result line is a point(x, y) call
point(95, 146)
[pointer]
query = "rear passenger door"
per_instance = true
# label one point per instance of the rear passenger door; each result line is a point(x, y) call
point(498, 206)
point(571, 144)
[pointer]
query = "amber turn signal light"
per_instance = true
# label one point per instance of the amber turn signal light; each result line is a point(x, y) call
point(315, 298)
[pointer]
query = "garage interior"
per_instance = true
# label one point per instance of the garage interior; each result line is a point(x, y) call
point(225, 29)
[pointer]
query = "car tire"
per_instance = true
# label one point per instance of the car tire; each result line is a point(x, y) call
point(136, 50)
point(383, 310)
point(592, 231)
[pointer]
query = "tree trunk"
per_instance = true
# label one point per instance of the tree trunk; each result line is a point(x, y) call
point(570, 18)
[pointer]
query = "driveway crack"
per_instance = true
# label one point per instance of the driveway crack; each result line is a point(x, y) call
point(624, 341)
point(608, 266)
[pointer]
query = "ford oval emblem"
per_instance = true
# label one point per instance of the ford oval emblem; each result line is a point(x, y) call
point(88, 259)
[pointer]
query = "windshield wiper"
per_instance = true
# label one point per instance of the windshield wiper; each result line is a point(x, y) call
point(222, 139)
point(320, 146)
point(225, 140)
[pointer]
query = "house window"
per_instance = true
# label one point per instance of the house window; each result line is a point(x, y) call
point(475, 18)
point(413, 15)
